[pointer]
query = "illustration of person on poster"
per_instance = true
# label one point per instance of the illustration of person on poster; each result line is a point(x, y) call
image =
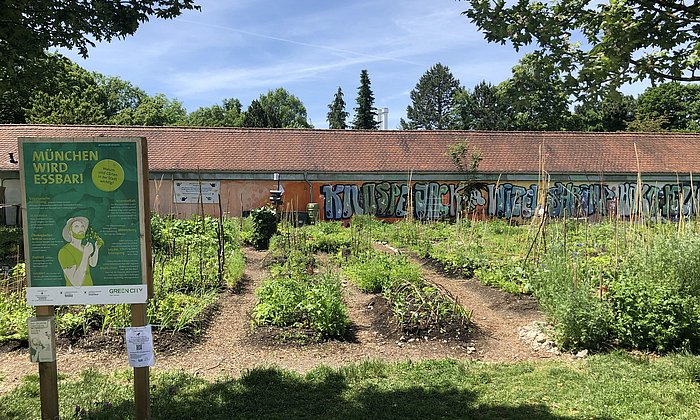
point(81, 251)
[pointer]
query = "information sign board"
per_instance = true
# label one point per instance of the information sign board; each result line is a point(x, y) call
point(84, 220)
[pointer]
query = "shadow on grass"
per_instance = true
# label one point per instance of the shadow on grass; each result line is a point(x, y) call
point(275, 394)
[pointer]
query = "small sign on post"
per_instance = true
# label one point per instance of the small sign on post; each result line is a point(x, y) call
point(42, 339)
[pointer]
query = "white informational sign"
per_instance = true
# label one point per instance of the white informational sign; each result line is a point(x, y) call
point(189, 191)
point(42, 347)
point(139, 346)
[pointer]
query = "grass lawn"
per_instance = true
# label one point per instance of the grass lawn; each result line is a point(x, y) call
point(613, 386)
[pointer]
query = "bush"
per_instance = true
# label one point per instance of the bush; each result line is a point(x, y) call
point(656, 300)
point(264, 226)
point(11, 244)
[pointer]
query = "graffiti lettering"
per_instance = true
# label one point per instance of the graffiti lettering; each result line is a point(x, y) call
point(435, 200)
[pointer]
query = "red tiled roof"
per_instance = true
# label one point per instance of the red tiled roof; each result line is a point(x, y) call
point(304, 150)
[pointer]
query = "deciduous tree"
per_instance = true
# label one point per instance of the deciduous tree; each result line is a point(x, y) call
point(432, 100)
point(30, 27)
point(673, 106)
point(484, 108)
point(228, 114)
point(599, 45)
point(537, 95)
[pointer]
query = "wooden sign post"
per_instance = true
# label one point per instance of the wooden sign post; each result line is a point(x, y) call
point(85, 207)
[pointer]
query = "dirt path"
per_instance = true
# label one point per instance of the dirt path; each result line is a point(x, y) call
point(228, 347)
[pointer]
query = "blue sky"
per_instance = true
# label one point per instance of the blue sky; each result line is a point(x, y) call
point(244, 48)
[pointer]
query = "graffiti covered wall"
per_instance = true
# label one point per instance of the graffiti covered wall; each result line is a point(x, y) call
point(438, 200)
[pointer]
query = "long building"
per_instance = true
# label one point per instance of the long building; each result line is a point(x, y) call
point(392, 174)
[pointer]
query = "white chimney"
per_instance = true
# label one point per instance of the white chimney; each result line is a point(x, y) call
point(383, 118)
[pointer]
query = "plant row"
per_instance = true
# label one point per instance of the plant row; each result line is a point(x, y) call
point(193, 260)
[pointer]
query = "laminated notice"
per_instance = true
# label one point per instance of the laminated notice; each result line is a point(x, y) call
point(139, 346)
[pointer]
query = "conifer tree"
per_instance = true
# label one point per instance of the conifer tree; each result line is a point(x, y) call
point(365, 112)
point(337, 114)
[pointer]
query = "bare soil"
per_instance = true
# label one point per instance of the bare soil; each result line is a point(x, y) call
point(230, 343)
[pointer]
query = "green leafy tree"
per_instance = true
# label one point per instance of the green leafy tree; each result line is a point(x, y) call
point(276, 109)
point(36, 75)
point(484, 108)
point(599, 45)
point(337, 115)
point(365, 112)
point(538, 97)
point(614, 113)
point(228, 114)
point(118, 95)
point(284, 110)
point(155, 110)
point(70, 95)
point(671, 106)
point(432, 100)
point(30, 27)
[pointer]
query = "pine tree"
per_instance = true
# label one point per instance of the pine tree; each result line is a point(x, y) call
point(337, 114)
point(433, 99)
point(365, 111)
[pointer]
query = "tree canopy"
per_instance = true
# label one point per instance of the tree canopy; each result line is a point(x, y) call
point(432, 100)
point(670, 106)
point(228, 114)
point(30, 27)
point(365, 112)
point(537, 96)
point(276, 109)
point(483, 108)
point(599, 45)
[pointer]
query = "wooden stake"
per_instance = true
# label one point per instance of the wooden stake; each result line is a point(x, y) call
point(142, 396)
point(48, 378)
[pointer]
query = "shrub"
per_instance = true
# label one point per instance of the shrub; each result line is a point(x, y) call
point(656, 301)
point(264, 226)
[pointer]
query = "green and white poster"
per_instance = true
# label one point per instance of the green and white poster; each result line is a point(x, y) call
point(84, 227)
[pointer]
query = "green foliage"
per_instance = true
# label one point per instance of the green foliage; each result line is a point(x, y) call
point(13, 316)
point(657, 303)
point(675, 105)
point(276, 109)
point(598, 46)
point(373, 272)
point(617, 385)
point(228, 114)
point(30, 28)
point(11, 244)
point(432, 101)
point(566, 290)
point(537, 96)
point(460, 259)
point(337, 115)
point(418, 308)
point(614, 113)
point(365, 111)
point(484, 108)
point(293, 298)
point(264, 226)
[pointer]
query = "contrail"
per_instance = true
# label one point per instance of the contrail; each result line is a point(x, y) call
point(305, 44)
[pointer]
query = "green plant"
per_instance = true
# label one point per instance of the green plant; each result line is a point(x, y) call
point(567, 292)
point(264, 226)
point(293, 298)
